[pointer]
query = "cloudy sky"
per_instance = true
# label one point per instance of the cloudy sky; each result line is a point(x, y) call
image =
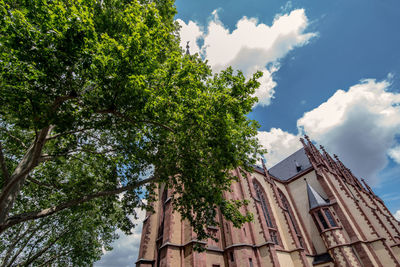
point(331, 70)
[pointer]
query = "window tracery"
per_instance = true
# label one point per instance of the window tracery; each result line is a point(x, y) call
point(267, 214)
point(324, 219)
point(287, 208)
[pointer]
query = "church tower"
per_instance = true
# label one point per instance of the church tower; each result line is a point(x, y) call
point(309, 210)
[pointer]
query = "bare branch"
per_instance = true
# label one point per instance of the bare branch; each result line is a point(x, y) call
point(3, 164)
point(49, 211)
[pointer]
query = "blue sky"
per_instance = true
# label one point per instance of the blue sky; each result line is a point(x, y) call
point(331, 70)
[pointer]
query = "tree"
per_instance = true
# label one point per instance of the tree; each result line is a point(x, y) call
point(97, 99)
point(64, 239)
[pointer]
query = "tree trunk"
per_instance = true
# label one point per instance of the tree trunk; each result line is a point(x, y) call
point(12, 188)
point(19, 218)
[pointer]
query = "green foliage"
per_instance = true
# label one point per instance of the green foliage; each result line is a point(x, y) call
point(65, 239)
point(120, 101)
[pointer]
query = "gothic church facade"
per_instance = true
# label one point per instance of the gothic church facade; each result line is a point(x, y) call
point(309, 210)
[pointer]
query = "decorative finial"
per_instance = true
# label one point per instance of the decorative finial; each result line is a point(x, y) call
point(303, 142)
point(187, 48)
point(307, 138)
point(336, 157)
point(263, 165)
point(262, 162)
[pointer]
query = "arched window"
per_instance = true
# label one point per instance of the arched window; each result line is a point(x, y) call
point(162, 214)
point(287, 208)
point(267, 214)
point(324, 219)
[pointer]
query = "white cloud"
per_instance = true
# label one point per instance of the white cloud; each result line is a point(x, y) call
point(287, 6)
point(126, 248)
point(397, 215)
point(251, 46)
point(190, 32)
point(279, 145)
point(394, 153)
point(359, 125)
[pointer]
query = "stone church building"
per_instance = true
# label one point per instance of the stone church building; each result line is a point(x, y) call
point(309, 210)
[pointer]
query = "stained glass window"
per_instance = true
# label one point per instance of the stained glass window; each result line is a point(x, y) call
point(287, 208)
point(264, 206)
point(330, 218)
point(267, 215)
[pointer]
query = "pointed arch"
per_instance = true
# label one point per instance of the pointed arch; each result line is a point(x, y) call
point(269, 219)
point(292, 219)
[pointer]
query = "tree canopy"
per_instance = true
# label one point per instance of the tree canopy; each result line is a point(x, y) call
point(67, 238)
point(98, 99)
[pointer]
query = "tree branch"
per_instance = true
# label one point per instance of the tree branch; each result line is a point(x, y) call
point(3, 164)
point(22, 247)
point(120, 115)
point(17, 237)
point(43, 250)
point(47, 157)
point(66, 133)
point(49, 211)
point(33, 246)
point(30, 160)
point(61, 99)
point(47, 185)
point(14, 137)
point(47, 263)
